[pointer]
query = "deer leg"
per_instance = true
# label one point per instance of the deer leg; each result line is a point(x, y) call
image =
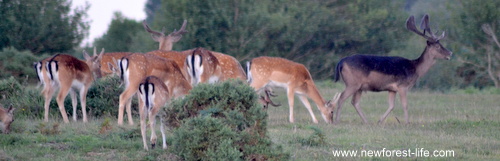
point(125, 98)
point(129, 111)
point(74, 102)
point(392, 95)
point(48, 92)
point(404, 102)
point(290, 95)
point(63, 92)
point(346, 94)
point(83, 102)
point(152, 124)
point(306, 103)
point(162, 129)
point(142, 114)
point(355, 103)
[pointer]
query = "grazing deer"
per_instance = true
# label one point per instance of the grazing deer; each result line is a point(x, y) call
point(154, 94)
point(66, 73)
point(295, 78)
point(230, 67)
point(7, 117)
point(135, 67)
point(393, 74)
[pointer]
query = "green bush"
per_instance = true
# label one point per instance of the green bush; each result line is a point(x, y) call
point(217, 121)
point(103, 97)
point(18, 64)
point(25, 98)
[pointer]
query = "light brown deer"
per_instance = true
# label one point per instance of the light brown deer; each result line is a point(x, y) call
point(295, 78)
point(7, 117)
point(154, 94)
point(230, 66)
point(49, 87)
point(393, 74)
point(68, 73)
point(135, 67)
point(166, 42)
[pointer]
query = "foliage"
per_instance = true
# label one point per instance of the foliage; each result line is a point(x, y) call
point(123, 36)
point(27, 100)
point(476, 49)
point(103, 97)
point(42, 26)
point(218, 120)
point(302, 31)
point(18, 64)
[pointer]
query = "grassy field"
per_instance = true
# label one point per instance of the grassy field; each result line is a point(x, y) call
point(465, 126)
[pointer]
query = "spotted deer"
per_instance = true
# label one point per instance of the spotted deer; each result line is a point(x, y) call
point(230, 66)
point(154, 94)
point(135, 67)
point(7, 117)
point(295, 78)
point(393, 74)
point(67, 74)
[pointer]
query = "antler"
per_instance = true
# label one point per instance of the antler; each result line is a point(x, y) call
point(267, 99)
point(153, 33)
point(424, 25)
point(181, 31)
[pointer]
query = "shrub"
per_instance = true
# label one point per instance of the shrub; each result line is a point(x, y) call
point(103, 97)
point(218, 121)
point(18, 64)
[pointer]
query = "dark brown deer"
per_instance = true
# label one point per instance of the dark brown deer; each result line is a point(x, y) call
point(383, 73)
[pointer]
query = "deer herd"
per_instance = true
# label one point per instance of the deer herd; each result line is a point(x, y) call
point(159, 76)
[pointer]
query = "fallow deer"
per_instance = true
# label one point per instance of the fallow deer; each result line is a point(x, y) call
point(203, 66)
point(154, 94)
point(383, 73)
point(166, 42)
point(295, 78)
point(135, 67)
point(7, 117)
point(230, 67)
point(67, 72)
point(48, 88)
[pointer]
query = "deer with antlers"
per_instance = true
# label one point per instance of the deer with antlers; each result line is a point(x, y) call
point(135, 67)
point(7, 117)
point(66, 73)
point(295, 78)
point(393, 74)
point(230, 67)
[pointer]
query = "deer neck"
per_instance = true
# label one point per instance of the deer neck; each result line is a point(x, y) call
point(166, 45)
point(424, 63)
point(315, 96)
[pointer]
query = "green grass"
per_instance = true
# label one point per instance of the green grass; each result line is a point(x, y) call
point(468, 124)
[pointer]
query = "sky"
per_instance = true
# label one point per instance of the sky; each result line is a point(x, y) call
point(101, 12)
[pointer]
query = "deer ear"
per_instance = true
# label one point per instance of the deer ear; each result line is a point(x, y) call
point(86, 55)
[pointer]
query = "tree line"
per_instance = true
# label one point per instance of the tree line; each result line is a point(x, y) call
point(315, 33)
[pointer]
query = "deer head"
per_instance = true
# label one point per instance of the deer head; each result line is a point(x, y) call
point(94, 62)
point(7, 117)
point(434, 47)
point(166, 42)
